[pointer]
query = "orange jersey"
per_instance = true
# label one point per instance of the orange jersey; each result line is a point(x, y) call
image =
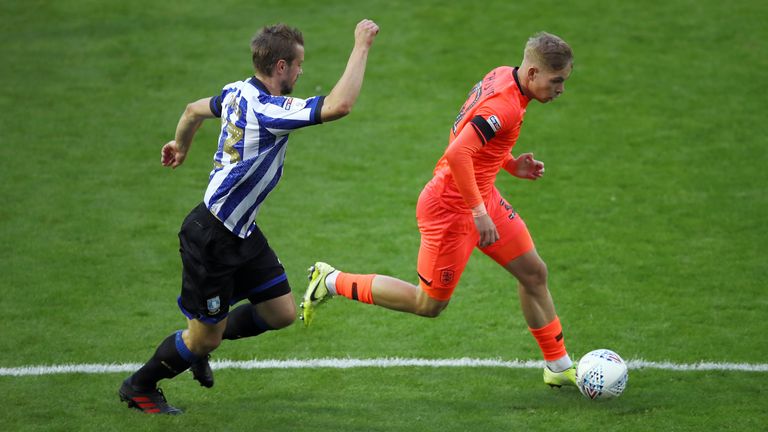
point(494, 109)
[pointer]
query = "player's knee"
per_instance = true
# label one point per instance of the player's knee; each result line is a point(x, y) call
point(279, 313)
point(282, 320)
point(535, 275)
point(202, 344)
point(431, 309)
point(212, 343)
point(205, 345)
point(431, 312)
point(541, 273)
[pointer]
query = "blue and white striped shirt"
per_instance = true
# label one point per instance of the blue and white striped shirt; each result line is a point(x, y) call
point(249, 161)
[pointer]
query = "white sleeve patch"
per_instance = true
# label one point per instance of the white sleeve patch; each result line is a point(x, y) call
point(294, 104)
point(494, 122)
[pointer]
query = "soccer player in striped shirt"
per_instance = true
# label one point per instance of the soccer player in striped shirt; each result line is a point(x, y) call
point(460, 209)
point(225, 256)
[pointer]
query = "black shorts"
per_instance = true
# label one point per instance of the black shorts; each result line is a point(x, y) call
point(221, 269)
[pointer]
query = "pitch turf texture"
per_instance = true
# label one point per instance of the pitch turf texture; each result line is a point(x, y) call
point(651, 215)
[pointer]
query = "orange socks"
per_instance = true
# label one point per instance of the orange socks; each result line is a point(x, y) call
point(550, 339)
point(355, 286)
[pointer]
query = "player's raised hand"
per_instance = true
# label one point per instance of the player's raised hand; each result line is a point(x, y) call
point(171, 156)
point(528, 167)
point(365, 32)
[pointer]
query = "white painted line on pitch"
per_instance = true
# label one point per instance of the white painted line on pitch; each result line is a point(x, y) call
point(347, 363)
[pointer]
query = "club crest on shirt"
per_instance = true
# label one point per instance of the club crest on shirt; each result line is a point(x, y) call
point(214, 305)
point(494, 122)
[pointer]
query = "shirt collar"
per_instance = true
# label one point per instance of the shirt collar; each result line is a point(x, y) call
point(260, 85)
point(517, 81)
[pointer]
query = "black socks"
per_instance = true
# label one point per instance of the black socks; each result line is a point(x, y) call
point(244, 322)
point(171, 358)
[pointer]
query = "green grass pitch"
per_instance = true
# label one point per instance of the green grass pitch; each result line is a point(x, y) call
point(651, 216)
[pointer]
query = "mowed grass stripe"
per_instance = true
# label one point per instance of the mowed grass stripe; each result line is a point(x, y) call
point(347, 363)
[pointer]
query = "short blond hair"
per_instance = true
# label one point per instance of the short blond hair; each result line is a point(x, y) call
point(548, 50)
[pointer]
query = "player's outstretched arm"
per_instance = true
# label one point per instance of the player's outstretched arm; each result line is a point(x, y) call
point(525, 166)
point(340, 100)
point(174, 152)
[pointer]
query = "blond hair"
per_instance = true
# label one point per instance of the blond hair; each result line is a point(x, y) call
point(549, 51)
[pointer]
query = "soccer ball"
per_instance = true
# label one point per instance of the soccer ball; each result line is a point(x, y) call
point(601, 374)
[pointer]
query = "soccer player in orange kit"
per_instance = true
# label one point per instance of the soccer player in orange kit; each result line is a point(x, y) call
point(460, 209)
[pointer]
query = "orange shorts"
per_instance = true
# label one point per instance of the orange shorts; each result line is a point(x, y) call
point(448, 238)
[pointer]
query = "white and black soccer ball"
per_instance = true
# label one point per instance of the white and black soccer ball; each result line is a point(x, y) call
point(601, 374)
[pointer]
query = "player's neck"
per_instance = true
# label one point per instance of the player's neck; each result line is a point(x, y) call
point(271, 83)
point(522, 76)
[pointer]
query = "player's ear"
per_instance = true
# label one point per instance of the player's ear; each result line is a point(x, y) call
point(281, 66)
point(532, 72)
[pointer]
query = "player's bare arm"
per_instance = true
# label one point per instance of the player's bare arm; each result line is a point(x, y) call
point(342, 98)
point(525, 167)
point(175, 151)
